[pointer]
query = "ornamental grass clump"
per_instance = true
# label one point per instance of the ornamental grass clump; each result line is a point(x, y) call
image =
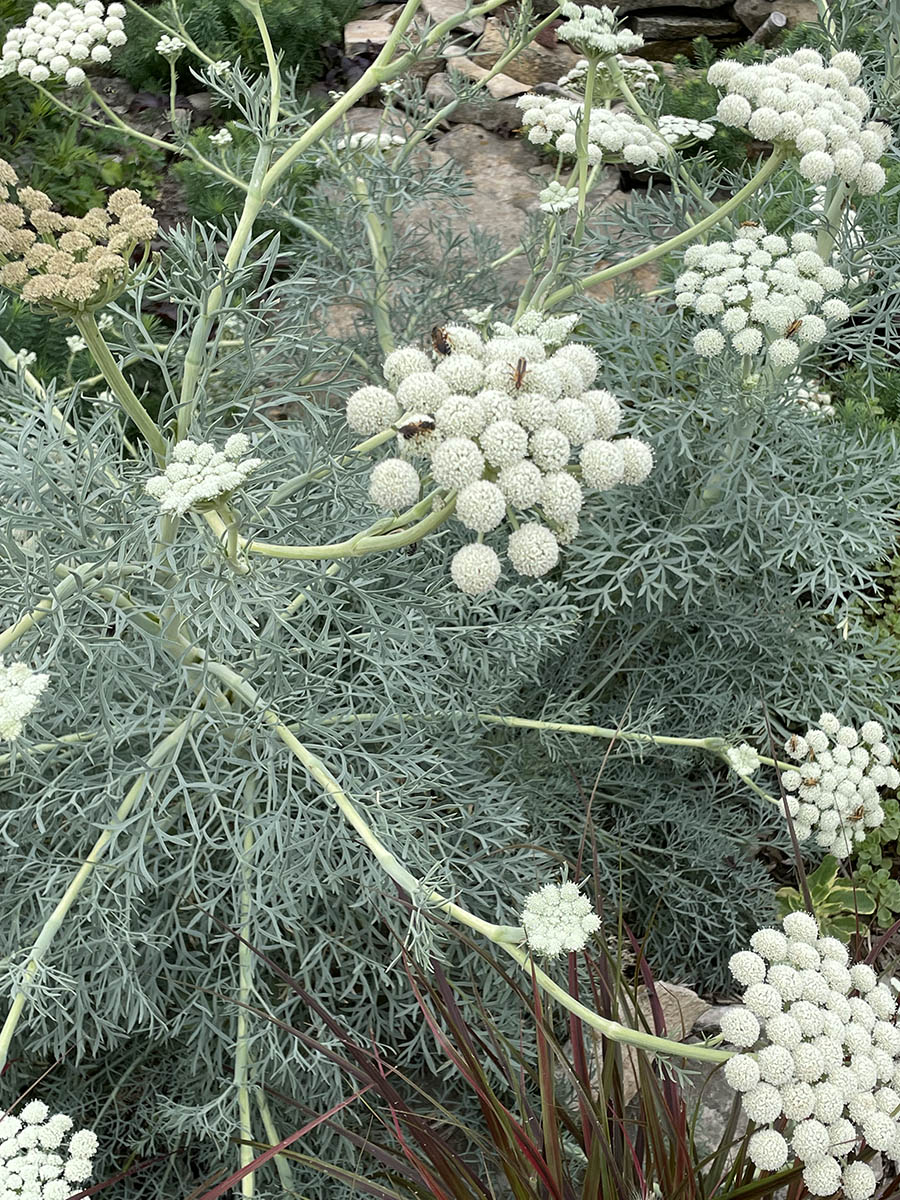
point(810, 108)
point(821, 1062)
point(495, 423)
point(63, 263)
point(767, 293)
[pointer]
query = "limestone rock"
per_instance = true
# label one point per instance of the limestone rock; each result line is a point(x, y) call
point(535, 64)
point(440, 10)
point(671, 27)
point(362, 35)
point(753, 12)
point(501, 87)
point(499, 116)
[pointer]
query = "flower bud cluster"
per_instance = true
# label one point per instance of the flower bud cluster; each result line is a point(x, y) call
point(55, 42)
point(636, 72)
point(169, 47)
point(763, 292)
point(497, 420)
point(558, 919)
point(70, 264)
point(593, 31)
point(810, 108)
point(834, 793)
point(614, 135)
point(810, 396)
point(199, 474)
point(557, 198)
point(743, 759)
point(33, 1163)
point(826, 1063)
point(20, 691)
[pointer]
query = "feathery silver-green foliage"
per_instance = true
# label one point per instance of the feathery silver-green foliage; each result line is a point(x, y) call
point(730, 582)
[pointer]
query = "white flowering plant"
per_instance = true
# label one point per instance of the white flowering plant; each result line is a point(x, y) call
point(228, 685)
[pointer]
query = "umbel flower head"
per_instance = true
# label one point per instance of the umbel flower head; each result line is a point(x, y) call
point(558, 919)
point(199, 474)
point(822, 1057)
point(764, 292)
point(62, 263)
point(497, 420)
point(810, 108)
point(613, 136)
point(593, 31)
point(34, 1164)
point(20, 691)
point(58, 43)
point(834, 794)
point(637, 73)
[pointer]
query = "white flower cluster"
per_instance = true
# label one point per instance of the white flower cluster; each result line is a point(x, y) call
point(31, 1165)
point(558, 919)
point(199, 473)
point(810, 396)
point(364, 140)
point(812, 108)
point(743, 759)
point(834, 793)
point(222, 138)
point(20, 690)
point(593, 31)
point(763, 291)
point(169, 47)
point(54, 41)
point(636, 72)
point(829, 1059)
point(614, 135)
point(677, 130)
point(557, 198)
point(497, 421)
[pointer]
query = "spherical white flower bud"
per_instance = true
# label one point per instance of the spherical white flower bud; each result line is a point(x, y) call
point(786, 981)
point(802, 927)
point(100, 53)
point(504, 443)
point(481, 506)
point(782, 353)
point(561, 497)
point(747, 967)
point(747, 341)
point(783, 1030)
point(709, 343)
point(603, 464)
point(550, 449)
point(742, 1072)
point(75, 77)
point(740, 1026)
point(822, 1177)
point(763, 1104)
point(533, 550)
point(767, 1150)
point(734, 110)
point(521, 483)
point(423, 390)
point(406, 361)
point(848, 64)
point(637, 460)
point(586, 360)
point(461, 416)
point(606, 410)
point(457, 462)
point(863, 978)
point(871, 179)
point(575, 419)
point(558, 920)
point(798, 1101)
point(533, 411)
point(461, 372)
point(817, 166)
point(858, 1181)
point(475, 569)
point(810, 1140)
point(371, 410)
point(776, 1064)
point(394, 484)
point(872, 732)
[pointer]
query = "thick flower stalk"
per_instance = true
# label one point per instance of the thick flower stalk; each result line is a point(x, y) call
point(58, 43)
point(199, 474)
point(808, 108)
point(20, 691)
point(765, 294)
point(834, 794)
point(613, 135)
point(497, 422)
point(34, 1164)
point(822, 1057)
point(67, 264)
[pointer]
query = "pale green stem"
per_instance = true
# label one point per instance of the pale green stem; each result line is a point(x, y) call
point(282, 1164)
point(507, 937)
point(119, 385)
point(173, 91)
point(81, 577)
point(254, 7)
point(376, 238)
point(52, 925)
point(583, 141)
point(355, 547)
point(714, 745)
point(245, 991)
point(771, 165)
point(831, 220)
point(295, 484)
point(45, 747)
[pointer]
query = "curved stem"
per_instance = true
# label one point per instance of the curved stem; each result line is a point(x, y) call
point(375, 233)
point(121, 388)
point(52, 925)
point(771, 165)
point(355, 547)
point(503, 936)
point(245, 990)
